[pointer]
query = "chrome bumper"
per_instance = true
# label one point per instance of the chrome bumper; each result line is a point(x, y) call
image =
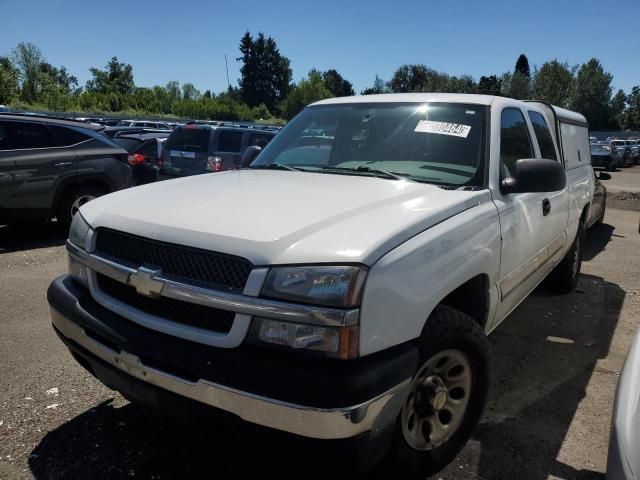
point(310, 422)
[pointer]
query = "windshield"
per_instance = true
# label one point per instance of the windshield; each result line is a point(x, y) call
point(618, 144)
point(435, 143)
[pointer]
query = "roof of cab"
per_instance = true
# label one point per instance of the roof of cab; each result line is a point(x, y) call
point(411, 98)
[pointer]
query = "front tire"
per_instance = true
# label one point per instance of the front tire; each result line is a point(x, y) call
point(447, 396)
point(564, 277)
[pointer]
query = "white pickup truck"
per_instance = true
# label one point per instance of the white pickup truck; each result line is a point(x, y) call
point(338, 292)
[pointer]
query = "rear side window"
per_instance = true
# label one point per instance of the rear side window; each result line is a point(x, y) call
point(543, 135)
point(514, 139)
point(129, 144)
point(259, 139)
point(230, 141)
point(23, 135)
point(68, 136)
point(189, 139)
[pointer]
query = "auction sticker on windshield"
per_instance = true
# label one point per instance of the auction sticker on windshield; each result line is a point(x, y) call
point(443, 128)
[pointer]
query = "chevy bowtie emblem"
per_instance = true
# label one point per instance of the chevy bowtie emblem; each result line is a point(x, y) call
point(145, 282)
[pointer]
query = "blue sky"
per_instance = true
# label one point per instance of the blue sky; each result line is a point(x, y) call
point(187, 40)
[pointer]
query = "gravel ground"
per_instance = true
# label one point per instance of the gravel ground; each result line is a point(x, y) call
point(556, 365)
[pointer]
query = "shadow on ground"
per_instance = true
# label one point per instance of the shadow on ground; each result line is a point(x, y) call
point(544, 356)
point(598, 237)
point(15, 238)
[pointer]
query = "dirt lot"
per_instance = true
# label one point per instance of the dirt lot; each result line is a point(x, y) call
point(557, 361)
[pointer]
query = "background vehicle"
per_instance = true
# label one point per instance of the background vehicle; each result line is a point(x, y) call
point(623, 462)
point(624, 152)
point(598, 205)
point(144, 124)
point(3, 109)
point(144, 154)
point(603, 155)
point(115, 131)
point(348, 293)
point(635, 150)
point(50, 168)
point(200, 148)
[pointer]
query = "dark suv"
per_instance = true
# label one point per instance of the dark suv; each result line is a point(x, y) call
point(50, 167)
point(200, 148)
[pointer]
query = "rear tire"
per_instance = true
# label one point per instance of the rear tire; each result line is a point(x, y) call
point(564, 277)
point(604, 208)
point(72, 201)
point(448, 394)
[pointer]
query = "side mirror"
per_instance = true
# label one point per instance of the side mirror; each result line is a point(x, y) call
point(249, 155)
point(535, 175)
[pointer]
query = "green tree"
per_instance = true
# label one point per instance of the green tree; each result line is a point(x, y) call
point(593, 94)
point(265, 72)
point(519, 86)
point(617, 107)
point(207, 94)
point(173, 90)
point(336, 84)
point(632, 113)
point(489, 85)
point(307, 91)
point(378, 87)
point(190, 92)
point(8, 81)
point(28, 57)
point(418, 78)
point(555, 83)
point(462, 84)
point(522, 66)
point(116, 78)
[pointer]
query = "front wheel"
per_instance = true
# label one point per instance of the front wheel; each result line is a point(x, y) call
point(447, 395)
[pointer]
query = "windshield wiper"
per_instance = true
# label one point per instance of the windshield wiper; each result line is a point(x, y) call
point(367, 169)
point(278, 166)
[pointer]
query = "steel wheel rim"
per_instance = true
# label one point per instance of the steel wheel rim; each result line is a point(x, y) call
point(438, 401)
point(79, 202)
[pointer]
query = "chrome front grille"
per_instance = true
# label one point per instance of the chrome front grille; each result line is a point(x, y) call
point(190, 265)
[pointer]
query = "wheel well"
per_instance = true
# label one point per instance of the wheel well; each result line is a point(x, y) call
point(91, 182)
point(472, 298)
point(584, 216)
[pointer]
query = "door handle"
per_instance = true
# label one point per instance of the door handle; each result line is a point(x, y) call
point(62, 164)
point(546, 207)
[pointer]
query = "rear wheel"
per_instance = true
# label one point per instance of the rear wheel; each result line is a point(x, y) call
point(564, 277)
point(73, 200)
point(447, 395)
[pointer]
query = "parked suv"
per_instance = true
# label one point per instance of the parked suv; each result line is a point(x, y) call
point(604, 155)
point(50, 168)
point(200, 148)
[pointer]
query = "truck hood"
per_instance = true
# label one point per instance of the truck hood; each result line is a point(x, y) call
point(282, 217)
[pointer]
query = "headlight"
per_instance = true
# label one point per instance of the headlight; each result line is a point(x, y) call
point(606, 148)
point(336, 286)
point(79, 231)
point(336, 342)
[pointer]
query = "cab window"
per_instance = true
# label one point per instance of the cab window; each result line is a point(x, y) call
point(543, 135)
point(514, 139)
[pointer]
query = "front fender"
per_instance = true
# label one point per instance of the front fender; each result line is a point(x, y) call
point(406, 284)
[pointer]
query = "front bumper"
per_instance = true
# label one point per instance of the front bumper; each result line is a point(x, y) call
point(315, 398)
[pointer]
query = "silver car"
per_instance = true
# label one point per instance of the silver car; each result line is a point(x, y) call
point(624, 461)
